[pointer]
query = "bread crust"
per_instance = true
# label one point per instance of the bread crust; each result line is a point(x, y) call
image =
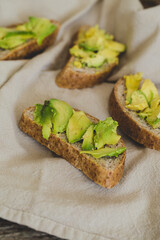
point(31, 48)
point(69, 78)
point(130, 126)
point(107, 178)
point(72, 78)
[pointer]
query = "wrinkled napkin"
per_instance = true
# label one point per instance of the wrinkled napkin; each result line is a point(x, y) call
point(43, 191)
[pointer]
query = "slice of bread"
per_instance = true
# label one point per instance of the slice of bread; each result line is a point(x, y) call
point(106, 171)
point(30, 48)
point(72, 77)
point(130, 123)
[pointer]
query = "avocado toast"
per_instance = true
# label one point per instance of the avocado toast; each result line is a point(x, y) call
point(135, 104)
point(92, 58)
point(28, 39)
point(92, 146)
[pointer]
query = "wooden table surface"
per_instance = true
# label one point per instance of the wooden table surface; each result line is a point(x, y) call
point(13, 231)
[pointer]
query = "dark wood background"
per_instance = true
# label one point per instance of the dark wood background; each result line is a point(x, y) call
point(13, 231)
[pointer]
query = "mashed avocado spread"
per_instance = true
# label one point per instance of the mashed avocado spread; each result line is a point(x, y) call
point(94, 48)
point(97, 139)
point(142, 97)
point(35, 28)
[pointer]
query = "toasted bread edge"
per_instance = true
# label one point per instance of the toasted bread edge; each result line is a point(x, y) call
point(100, 175)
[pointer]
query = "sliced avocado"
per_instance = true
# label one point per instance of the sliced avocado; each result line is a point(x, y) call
point(88, 139)
point(42, 27)
point(105, 133)
point(77, 64)
point(11, 43)
point(113, 60)
point(38, 28)
point(94, 31)
point(94, 39)
point(63, 113)
point(142, 115)
point(20, 34)
point(43, 115)
point(109, 55)
point(95, 62)
point(77, 126)
point(149, 89)
point(78, 52)
point(47, 115)
point(154, 118)
point(21, 27)
point(37, 114)
point(147, 112)
point(13, 39)
point(94, 43)
point(155, 103)
point(80, 37)
point(132, 84)
point(138, 101)
point(92, 48)
point(156, 123)
point(3, 32)
point(110, 152)
point(145, 101)
point(115, 46)
point(109, 36)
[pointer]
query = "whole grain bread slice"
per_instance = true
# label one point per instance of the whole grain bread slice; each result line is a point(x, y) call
point(72, 77)
point(130, 123)
point(106, 171)
point(30, 48)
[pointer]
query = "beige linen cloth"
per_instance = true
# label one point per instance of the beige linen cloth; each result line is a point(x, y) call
point(43, 191)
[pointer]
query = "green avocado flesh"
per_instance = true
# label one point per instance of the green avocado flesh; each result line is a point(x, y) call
point(14, 39)
point(110, 152)
point(132, 84)
point(88, 138)
point(150, 90)
point(94, 48)
point(41, 27)
point(63, 113)
point(35, 28)
point(143, 100)
point(43, 115)
point(105, 133)
point(77, 126)
point(4, 31)
point(53, 116)
point(56, 116)
point(138, 101)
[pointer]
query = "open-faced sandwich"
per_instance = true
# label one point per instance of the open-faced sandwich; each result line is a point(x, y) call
point(26, 40)
point(90, 145)
point(135, 104)
point(92, 58)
